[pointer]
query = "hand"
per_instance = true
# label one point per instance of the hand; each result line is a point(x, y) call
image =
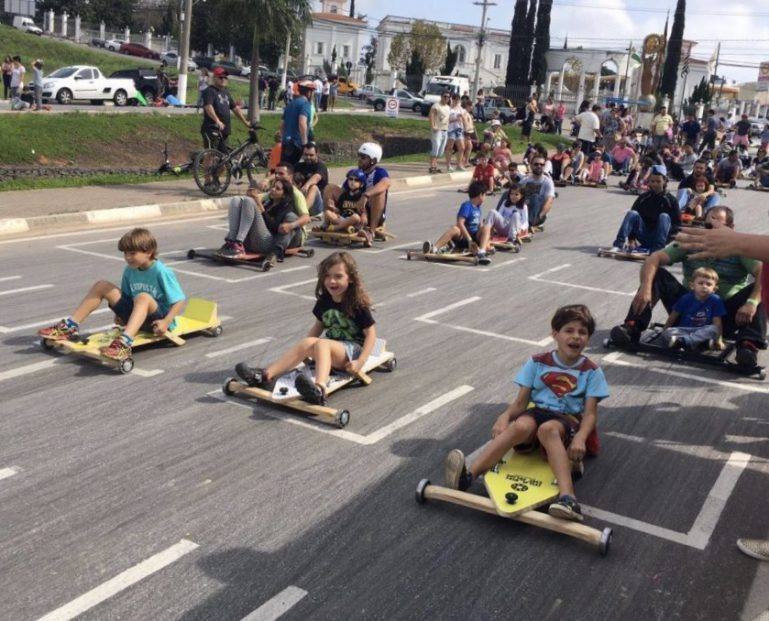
point(577, 448)
point(745, 314)
point(220, 125)
point(641, 300)
point(502, 423)
point(708, 243)
point(354, 367)
point(286, 227)
point(160, 326)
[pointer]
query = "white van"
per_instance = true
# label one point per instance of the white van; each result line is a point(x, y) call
point(26, 24)
point(438, 84)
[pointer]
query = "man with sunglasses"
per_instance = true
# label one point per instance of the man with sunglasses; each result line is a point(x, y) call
point(538, 190)
point(217, 105)
point(439, 126)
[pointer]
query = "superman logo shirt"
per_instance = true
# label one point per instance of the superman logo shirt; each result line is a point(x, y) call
point(561, 388)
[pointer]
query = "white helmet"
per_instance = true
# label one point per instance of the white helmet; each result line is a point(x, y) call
point(372, 150)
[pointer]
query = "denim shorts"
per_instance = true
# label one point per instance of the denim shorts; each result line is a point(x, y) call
point(352, 349)
point(438, 140)
point(456, 134)
point(125, 307)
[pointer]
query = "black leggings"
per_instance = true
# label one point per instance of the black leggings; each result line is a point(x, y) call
point(6, 84)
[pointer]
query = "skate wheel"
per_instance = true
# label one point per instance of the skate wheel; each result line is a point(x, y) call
point(390, 365)
point(126, 366)
point(607, 343)
point(603, 546)
point(226, 386)
point(46, 344)
point(420, 491)
point(342, 419)
point(762, 374)
point(191, 254)
point(310, 252)
point(266, 266)
point(215, 331)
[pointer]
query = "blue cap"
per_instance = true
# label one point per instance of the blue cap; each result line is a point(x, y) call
point(659, 169)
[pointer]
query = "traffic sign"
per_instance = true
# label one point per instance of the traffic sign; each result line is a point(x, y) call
point(392, 106)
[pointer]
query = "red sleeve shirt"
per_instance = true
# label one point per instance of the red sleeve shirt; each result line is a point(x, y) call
point(484, 173)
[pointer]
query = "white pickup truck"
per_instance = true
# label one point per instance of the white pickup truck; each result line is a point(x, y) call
point(83, 82)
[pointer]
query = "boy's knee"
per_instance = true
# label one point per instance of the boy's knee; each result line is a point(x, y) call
point(143, 298)
point(549, 431)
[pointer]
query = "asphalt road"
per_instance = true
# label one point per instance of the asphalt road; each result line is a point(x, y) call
point(152, 496)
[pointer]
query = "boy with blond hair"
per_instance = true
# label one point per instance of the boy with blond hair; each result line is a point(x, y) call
point(696, 319)
point(149, 297)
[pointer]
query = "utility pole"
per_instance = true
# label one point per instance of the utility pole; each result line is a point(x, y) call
point(715, 72)
point(184, 52)
point(481, 40)
point(627, 69)
point(283, 81)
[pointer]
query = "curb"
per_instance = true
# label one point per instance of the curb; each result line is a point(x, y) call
point(96, 217)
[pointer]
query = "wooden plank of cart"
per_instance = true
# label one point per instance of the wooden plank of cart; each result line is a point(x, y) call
point(285, 394)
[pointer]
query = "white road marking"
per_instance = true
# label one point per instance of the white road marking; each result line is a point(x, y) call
point(8, 472)
point(495, 266)
point(427, 316)
point(7, 278)
point(614, 358)
point(343, 434)
point(744, 439)
point(283, 288)
point(174, 222)
point(147, 372)
point(25, 289)
point(550, 271)
point(421, 292)
point(388, 248)
point(277, 606)
point(47, 364)
point(229, 350)
point(45, 322)
point(638, 525)
point(120, 582)
point(558, 268)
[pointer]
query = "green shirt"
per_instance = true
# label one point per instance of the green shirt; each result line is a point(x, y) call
point(733, 272)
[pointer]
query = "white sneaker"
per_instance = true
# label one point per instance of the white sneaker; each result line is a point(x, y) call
point(617, 249)
point(450, 169)
point(757, 548)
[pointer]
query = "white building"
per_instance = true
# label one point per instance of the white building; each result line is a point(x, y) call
point(332, 28)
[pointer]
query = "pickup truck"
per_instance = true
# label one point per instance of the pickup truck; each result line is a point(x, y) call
point(67, 84)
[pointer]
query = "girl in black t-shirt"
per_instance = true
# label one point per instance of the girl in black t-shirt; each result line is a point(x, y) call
point(349, 210)
point(342, 337)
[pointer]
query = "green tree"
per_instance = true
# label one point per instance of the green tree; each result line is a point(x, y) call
point(701, 93)
point(415, 71)
point(451, 60)
point(368, 57)
point(673, 57)
point(516, 55)
point(541, 43)
point(424, 39)
point(352, 8)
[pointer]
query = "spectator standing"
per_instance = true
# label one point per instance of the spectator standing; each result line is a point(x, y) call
point(37, 71)
point(333, 90)
point(202, 86)
point(456, 133)
point(532, 108)
point(326, 89)
point(559, 113)
point(742, 129)
point(480, 113)
point(439, 126)
point(17, 77)
point(6, 69)
point(589, 128)
point(709, 134)
point(289, 94)
point(662, 123)
point(272, 92)
point(690, 130)
point(295, 125)
point(318, 92)
point(163, 82)
point(217, 105)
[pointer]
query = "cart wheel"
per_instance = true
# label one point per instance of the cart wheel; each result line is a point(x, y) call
point(126, 366)
point(408, 255)
point(475, 261)
point(607, 343)
point(342, 418)
point(390, 365)
point(603, 547)
point(309, 253)
point(46, 344)
point(226, 386)
point(420, 493)
point(266, 266)
point(762, 374)
point(191, 254)
point(215, 331)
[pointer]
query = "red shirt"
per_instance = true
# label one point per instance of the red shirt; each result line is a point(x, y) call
point(484, 173)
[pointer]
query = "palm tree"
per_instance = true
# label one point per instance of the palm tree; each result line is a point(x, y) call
point(273, 19)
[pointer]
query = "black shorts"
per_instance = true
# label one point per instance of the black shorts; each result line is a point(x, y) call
point(125, 307)
point(213, 139)
point(570, 423)
point(291, 153)
point(462, 243)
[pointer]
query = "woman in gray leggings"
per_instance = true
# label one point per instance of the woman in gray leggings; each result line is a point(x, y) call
point(263, 225)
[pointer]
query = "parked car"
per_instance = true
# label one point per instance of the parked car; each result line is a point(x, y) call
point(172, 59)
point(500, 108)
point(137, 49)
point(231, 68)
point(84, 82)
point(145, 81)
point(204, 61)
point(757, 126)
point(369, 90)
point(97, 42)
point(114, 44)
point(347, 86)
point(26, 24)
point(406, 99)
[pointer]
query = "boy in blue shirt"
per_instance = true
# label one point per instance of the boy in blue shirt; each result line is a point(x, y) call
point(149, 297)
point(464, 234)
point(696, 319)
point(564, 387)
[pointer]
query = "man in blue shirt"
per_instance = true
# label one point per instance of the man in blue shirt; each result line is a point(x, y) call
point(377, 183)
point(295, 126)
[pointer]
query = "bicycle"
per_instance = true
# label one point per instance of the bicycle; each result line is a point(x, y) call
point(213, 170)
point(173, 169)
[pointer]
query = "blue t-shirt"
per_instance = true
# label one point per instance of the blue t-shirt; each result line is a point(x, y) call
point(157, 280)
point(472, 215)
point(299, 106)
point(695, 314)
point(560, 388)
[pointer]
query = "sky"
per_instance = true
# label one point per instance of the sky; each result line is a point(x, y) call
point(742, 27)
